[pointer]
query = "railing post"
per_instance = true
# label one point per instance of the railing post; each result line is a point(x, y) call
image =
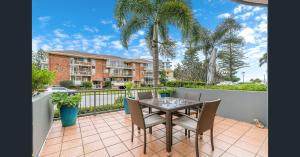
point(94, 102)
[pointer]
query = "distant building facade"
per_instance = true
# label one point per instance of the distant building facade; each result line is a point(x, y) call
point(80, 66)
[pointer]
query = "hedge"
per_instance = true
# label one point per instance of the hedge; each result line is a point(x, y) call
point(178, 83)
point(244, 87)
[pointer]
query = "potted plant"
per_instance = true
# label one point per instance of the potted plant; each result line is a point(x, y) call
point(128, 87)
point(68, 107)
point(165, 92)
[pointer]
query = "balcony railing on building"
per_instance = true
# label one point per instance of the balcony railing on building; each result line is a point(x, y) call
point(119, 66)
point(81, 73)
point(82, 63)
point(120, 75)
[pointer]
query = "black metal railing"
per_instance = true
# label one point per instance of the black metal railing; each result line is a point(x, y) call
point(105, 100)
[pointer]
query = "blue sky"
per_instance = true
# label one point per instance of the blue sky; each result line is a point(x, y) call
point(88, 26)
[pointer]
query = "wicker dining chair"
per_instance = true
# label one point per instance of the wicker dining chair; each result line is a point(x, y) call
point(141, 121)
point(204, 122)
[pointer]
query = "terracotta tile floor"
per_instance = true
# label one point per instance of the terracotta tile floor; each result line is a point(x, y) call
point(109, 134)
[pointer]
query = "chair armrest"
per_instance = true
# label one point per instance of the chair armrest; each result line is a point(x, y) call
point(148, 115)
point(187, 116)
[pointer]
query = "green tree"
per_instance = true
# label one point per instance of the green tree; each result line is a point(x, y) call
point(38, 57)
point(208, 42)
point(40, 78)
point(154, 16)
point(263, 60)
point(163, 77)
point(257, 80)
point(231, 56)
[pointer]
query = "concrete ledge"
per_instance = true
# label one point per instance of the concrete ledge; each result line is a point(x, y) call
point(239, 105)
point(42, 118)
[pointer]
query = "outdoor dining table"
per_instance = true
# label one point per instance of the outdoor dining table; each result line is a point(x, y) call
point(169, 105)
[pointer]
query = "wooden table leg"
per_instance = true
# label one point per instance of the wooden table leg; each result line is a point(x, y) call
point(168, 131)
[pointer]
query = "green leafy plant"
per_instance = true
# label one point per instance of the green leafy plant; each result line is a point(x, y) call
point(166, 91)
point(66, 83)
point(119, 100)
point(64, 99)
point(129, 86)
point(107, 84)
point(40, 78)
point(87, 84)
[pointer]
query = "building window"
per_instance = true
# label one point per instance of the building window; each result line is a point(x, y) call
point(106, 71)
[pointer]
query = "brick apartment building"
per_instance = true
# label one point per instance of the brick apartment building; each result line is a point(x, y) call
point(79, 66)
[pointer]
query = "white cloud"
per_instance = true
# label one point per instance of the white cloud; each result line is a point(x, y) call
point(116, 44)
point(248, 34)
point(59, 47)
point(44, 20)
point(69, 24)
point(59, 33)
point(90, 29)
point(35, 43)
point(261, 17)
point(224, 15)
point(105, 22)
point(262, 27)
point(77, 36)
point(242, 8)
point(245, 16)
point(257, 9)
point(115, 27)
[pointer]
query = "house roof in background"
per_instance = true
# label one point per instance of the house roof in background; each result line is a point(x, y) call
point(73, 53)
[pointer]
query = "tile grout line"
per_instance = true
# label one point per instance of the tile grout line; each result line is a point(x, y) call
point(237, 141)
point(99, 137)
point(81, 137)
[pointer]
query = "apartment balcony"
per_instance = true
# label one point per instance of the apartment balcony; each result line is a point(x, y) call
point(119, 66)
point(82, 63)
point(120, 75)
point(81, 73)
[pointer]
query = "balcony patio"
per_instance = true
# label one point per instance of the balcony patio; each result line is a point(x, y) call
point(109, 134)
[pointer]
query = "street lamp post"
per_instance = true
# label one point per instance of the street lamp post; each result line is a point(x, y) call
point(243, 76)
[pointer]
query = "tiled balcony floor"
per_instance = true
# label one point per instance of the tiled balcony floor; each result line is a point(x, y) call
point(107, 135)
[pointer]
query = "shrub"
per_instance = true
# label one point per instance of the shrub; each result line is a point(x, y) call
point(40, 78)
point(119, 100)
point(166, 91)
point(65, 99)
point(245, 87)
point(179, 83)
point(107, 84)
point(86, 84)
point(66, 83)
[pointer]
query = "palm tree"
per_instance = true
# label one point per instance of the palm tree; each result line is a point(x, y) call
point(263, 59)
point(154, 16)
point(208, 42)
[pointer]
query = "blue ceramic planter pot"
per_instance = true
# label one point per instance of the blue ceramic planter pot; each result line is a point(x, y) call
point(126, 108)
point(68, 115)
point(162, 95)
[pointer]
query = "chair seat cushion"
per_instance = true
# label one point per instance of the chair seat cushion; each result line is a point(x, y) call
point(154, 119)
point(186, 122)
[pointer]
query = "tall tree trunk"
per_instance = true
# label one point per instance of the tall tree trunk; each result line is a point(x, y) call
point(212, 67)
point(155, 56)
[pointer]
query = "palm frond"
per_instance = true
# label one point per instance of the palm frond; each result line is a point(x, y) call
point(124, 9)
point(136, 23)
point(178, 14)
